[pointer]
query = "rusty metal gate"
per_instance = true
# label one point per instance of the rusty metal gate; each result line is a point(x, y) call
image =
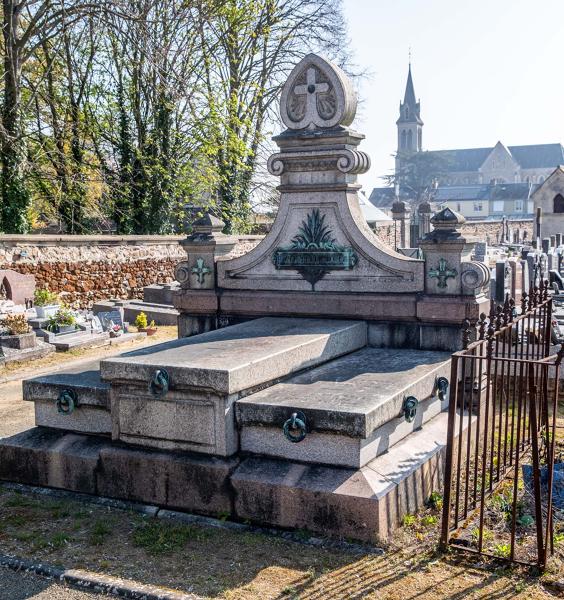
point(500, 457)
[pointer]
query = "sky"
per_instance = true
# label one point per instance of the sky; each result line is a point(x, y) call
point(484, 70)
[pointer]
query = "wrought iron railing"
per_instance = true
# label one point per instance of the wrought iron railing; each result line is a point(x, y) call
point(500, 456)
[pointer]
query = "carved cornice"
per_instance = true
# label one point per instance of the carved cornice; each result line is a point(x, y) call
point(344, 160)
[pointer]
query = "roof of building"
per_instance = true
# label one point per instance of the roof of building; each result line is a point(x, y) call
point(534, 156)
point(370, 212)
point(384, 197)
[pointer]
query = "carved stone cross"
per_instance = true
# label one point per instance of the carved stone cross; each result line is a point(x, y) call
point(200, 270)
point(443, 273)
point(311, 89)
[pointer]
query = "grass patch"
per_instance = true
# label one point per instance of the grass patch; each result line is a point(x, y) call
point(100, 532)
point(58, 540)
point(157, 537)
point(20, 501)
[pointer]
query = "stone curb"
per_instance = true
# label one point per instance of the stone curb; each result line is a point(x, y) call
point(88, 580)
point(302, 538)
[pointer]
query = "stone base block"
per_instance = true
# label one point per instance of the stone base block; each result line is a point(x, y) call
point(176, 480)
point(25, 341)
point(364, 504)
point(51, 458)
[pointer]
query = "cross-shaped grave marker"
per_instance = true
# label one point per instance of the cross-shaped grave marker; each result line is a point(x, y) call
point(311, 89)
point(443, 273)
point(200, 270)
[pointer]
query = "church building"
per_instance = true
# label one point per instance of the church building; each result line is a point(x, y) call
point(480, 183)
point(467, 166)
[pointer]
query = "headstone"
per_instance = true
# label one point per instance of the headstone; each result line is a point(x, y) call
point(558, 237)
point(16, 287)
point(516, 280)
point(110, 318)
point(533, 269)
point(546, 245)
point(524, 276)
point(553, 241)
point(481, 251)
point(502, 280)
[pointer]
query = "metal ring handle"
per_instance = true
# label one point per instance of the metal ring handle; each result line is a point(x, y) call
point(442, 387)
point(158, 386)
point(409, 409)
point(67, 402)
point(296, 423)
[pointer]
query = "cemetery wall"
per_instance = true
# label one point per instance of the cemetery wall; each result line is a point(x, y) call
point(88, 268)
point(386, 234)
point(491, 230)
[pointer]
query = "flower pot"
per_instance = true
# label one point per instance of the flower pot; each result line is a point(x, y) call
point(49, 310)
point(148, 330)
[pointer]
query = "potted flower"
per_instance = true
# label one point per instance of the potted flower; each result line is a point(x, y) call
point(16, 333)
point(46, 303)
point(141, 324)
point(63, 321)
point(115, 330)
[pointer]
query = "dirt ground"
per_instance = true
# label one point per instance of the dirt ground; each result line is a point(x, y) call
point(220, 564)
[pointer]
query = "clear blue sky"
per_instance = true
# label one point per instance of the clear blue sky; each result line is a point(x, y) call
point(484, 70)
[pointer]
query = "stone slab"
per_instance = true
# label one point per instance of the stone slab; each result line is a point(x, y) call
point(10, 355)
point(242, 356)
point(177, 480)
point(85, 380)
point(82, 339)
point(47, 457)
point(333, 449)
point(352, 395)
point(365, 504)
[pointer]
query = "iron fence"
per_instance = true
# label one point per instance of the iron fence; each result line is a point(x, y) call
point(501, 434)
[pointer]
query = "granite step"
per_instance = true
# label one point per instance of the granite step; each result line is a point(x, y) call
point(209, 372)
point(92, 413)
point(353, 406)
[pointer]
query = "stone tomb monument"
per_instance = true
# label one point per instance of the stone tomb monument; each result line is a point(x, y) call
point(320, 405)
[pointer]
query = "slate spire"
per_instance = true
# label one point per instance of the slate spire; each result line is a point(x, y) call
point(410, 108)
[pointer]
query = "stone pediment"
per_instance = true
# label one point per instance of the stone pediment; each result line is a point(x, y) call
point(344, 257)
point(320, 240)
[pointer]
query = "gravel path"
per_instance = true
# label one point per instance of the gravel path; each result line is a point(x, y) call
point(24, 586)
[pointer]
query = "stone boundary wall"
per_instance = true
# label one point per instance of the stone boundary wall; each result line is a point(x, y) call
point(491, 230)
point(386, 234)
point(87, 268)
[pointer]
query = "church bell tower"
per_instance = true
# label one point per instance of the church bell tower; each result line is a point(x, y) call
point(410, 125)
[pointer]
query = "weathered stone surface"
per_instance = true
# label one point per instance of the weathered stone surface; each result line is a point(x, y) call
point(176, 480)
point(51, 458)
point(24, 341)
point(366, 503)
point(85, 380)
point(352, 405)
point(353, 395)
point(242, 356)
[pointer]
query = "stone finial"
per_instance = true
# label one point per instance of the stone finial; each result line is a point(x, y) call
point(317, 95)
point(424, 208)
point(205, 227)
point(447, 219)
point(399, 207)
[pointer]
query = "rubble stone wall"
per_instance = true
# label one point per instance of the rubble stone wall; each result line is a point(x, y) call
point(84, 269)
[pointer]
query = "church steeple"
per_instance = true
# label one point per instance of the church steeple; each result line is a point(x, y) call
point(410, 125)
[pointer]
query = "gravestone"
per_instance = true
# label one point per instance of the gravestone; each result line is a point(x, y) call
point(516, 280)
point(481, 251)
point(323, 407)
point(110, 318)
point(525, 281)
point(546, 245)
point(16, 287)
point(503, 280)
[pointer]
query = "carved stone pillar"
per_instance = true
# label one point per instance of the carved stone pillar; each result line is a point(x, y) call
point(400, 214)
point(424, 211)
point(197, 300)
point(450, 271)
